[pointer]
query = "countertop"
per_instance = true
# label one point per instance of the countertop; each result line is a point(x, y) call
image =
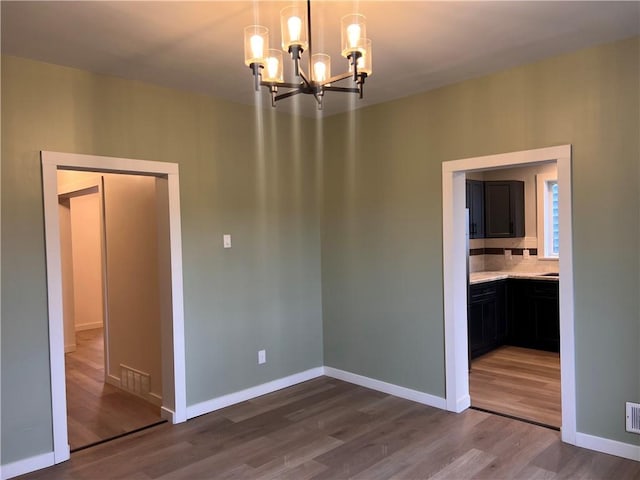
point(481, 277)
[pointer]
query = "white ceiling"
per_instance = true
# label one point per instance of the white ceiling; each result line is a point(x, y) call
point(198, 46)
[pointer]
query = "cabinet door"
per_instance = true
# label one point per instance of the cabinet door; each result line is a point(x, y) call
point(520, 329)
point(533, 315)
point(545, 313)
point(504, 209)
point(475, 204)
point(475, 328)
point(486, 317)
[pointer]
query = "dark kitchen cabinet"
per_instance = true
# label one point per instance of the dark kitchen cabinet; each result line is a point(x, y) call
point(486, 321)
point(475, 204)
point(534, 314)
point(503, 209)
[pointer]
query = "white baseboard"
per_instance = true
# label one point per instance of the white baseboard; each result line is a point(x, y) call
point(88, 326)
point(612, 447)
point(462, 403)
point(390, 388)
point(232, 398)
point(26, 465)
point(154, 398)
point(168, 415)
point(113, 380)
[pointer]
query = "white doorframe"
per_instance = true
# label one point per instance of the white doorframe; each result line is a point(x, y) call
point(174, 409)
point(455, 275)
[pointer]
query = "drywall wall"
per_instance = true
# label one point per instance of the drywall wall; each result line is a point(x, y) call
point(133, 297)
point(86, 247)
point(382, 219)
point(381, 247)
point(243, 171)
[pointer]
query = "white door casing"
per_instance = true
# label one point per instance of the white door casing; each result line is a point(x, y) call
point(174, 405)
point(455, 275)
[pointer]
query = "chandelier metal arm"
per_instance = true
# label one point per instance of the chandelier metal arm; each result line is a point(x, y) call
point(304, 78)
point(341, 89)
point(288, 94)
point(283, 84)
point(338, 78)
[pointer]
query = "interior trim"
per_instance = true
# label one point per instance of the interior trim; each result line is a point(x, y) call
point(390, 388)
point(217, 403)
point(175, 400)
point(605, 445)
point(455, 275)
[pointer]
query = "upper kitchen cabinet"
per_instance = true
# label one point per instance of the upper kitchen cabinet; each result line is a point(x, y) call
point(503, 209)
point(475, 204)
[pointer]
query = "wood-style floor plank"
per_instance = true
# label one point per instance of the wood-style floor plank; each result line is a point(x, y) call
point(329, 429)
point(96, 410)
point(516, 381)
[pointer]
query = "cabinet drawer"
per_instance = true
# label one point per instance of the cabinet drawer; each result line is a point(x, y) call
point(483, 290)
point(544, 288)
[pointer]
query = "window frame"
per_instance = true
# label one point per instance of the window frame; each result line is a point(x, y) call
point(544, 182)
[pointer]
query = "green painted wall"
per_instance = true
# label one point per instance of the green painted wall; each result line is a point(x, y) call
point(380, 292)
point(382, 219)
point(265, 292)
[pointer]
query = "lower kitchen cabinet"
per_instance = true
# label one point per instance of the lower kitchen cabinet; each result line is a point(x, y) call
point(520, 312)
point(486, 320)
point(534, 314)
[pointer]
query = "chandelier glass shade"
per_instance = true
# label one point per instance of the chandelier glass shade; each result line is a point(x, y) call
point(266, 63)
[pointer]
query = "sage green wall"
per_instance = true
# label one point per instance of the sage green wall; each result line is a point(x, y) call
point(381, 232)
point(382, 220)
point(265, 292)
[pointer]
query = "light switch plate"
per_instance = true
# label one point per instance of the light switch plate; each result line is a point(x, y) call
point(262, 357)
point(226, 240)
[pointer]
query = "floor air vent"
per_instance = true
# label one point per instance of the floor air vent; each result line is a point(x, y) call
point(134, 381)
point(633, 417)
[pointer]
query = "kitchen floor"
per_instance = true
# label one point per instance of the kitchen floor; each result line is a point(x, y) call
point(520, 382)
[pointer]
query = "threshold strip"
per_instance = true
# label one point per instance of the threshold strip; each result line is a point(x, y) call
point(115, 437)
point(506, 415)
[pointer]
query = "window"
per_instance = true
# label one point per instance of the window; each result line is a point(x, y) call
point(548, 225)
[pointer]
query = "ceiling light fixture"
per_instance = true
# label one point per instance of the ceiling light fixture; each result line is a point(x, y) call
point(267, 64)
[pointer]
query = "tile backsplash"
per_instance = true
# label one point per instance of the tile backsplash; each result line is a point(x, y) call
point(516, 260)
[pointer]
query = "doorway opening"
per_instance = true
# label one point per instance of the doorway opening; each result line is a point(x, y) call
point(171, 398)
point(455, 274)
point(513, 313)
point(111, 302)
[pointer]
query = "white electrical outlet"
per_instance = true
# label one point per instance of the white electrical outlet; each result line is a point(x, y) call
point(226, 240)
point(507, 254)
point(525, 253)
point(262, 357)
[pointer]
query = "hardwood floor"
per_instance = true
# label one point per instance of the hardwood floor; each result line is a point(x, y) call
point(329, 429)
point(95, 410)
point(520, 382)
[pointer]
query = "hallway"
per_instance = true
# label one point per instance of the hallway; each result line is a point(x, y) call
point(97, 411)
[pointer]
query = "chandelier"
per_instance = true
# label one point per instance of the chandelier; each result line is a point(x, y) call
point(266, 63)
